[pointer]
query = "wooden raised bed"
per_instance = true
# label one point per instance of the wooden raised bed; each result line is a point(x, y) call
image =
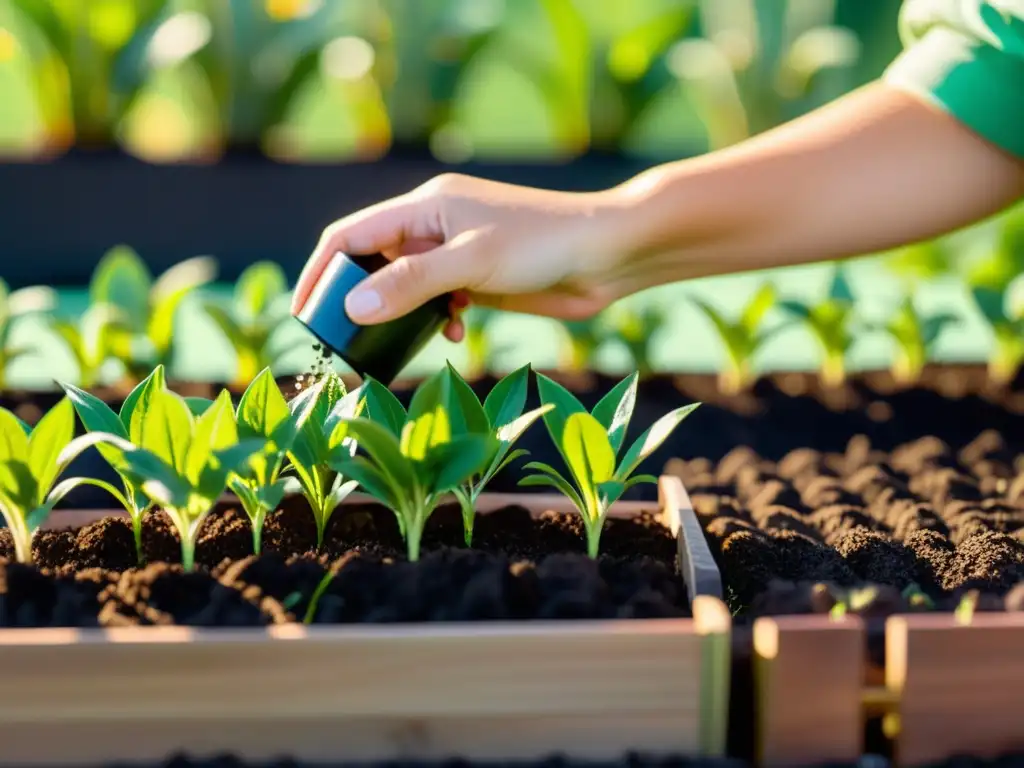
point(514, 691)
point(948, 689)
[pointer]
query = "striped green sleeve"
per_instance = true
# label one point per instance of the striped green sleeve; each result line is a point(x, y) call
point(967, 57)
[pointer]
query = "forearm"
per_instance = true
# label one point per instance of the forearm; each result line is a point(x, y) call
point(872, 171)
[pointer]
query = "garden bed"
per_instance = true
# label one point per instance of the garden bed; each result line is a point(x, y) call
point(517, 649)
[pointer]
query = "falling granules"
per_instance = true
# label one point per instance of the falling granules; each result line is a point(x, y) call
point(321, 367)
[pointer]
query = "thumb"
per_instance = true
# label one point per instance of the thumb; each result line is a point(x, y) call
point(411, 281)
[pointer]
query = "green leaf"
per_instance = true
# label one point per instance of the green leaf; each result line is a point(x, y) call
point(565, 404)
point(17, 484)
point(256, 289)
point(465, 412)
point(506, 400)
point(163, 425)
point(615, 409)
point(424, 433)
point(170, 289)
point(64, 487)
point(588, 452)
point(458, 460)
point(262, 408)
point(13, 440)
point(383, 407)
point(610, 492)
point(428, 395)
point(991, 304)
point(53, 432)
point(96, 415)
point(228, 325)
point(796, 308)
point(651, 439)
point(385, 451)
point(371, 478)
point(351, 406)
point(122, 279)
point(639, 479)
point(552, 478)
point(214, 431)
point(840, 289)
point(762, 301)
point(156, 380)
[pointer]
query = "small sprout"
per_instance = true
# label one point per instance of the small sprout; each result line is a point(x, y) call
point(966, 608)
point(839, 610)
point(990, 282)
point(413, 459)
point(188, 462)
point(915, 336)
point(97, 416)
point(263, 414)
point(500, 417)
point(583, 340)
point(742, 338)
point(15, 304)
point(589, 444)
point(830, 323)
point(92, 339)
point(31, 460)
point(150, 307)
point(635, 329)
point(259, 309)
point(480, 350)
point(314, 600)
point(319, 441)
point(917, 599)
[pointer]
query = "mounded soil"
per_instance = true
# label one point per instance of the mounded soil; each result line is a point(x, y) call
point(915, 528)
point(519, 568)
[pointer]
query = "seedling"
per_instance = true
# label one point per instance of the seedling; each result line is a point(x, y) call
point(98, 417)
point(589, 444)
point(263, 414)
point(966, 608)
point(31, 460)
point(917, 598)
point(500, 417)
point(741, 338)
point(830, 323)
point(259, 309)
point(480, 351)
point(91, 341)
point(583, 340)
point(915, 336)
point(188, 462)
point(989, 282)
point(920, 262)
point(319, 441)
point(413, 459)
point(123, 280)
point(15, 304)
point(636, 329)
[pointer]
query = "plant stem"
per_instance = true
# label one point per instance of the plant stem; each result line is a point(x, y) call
point(412, 539)
point(257, 530)
point(833, 369)
point(468, 515)
point(22, 543)
point(594, 539)
point(137, 533)
point(188, 553)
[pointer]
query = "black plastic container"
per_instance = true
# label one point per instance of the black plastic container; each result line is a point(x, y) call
point(381, 350)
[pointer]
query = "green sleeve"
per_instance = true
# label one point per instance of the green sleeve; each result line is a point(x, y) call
point(967, 57)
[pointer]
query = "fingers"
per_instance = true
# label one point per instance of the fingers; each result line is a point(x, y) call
point(411, 281)
point(387, 226)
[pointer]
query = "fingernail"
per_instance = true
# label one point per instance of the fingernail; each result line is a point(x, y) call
point(363, 304)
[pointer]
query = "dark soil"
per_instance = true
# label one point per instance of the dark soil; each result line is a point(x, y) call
point(519, 569)
point(916, 528)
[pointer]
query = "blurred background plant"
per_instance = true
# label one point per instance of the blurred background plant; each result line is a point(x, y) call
point(173, 80)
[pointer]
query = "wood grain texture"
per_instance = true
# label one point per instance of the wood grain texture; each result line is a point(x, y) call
point(961, 688)
point(511, 691)
point(809, 675)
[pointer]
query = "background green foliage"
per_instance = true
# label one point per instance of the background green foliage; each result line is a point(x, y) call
point(335, 79)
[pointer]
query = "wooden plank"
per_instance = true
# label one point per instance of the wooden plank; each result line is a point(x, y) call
point(695, 559)
point(961, 688)
point(808, 680)
point(432, 690)
point(509, 691)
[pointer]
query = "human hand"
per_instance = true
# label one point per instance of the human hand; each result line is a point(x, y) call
point(510, 247)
